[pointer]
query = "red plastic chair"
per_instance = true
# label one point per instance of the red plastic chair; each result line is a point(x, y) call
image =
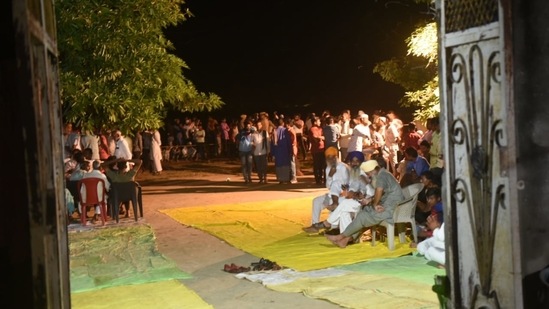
point(92, 185)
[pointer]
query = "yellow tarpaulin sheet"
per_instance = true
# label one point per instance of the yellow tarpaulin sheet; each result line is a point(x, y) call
point(272, 230)
point(405, 282)
point(166, 295)
point(365, 291)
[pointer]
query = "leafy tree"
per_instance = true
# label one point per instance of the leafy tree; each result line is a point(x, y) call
point(115, 68)
point(417, 72)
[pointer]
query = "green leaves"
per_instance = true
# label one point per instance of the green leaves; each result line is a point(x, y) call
point(115, 68)
point(417, 73)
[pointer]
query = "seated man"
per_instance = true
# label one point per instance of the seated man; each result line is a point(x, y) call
point(97, 173)
point(414, 166)
point(386, 197)
point(119, 173)
point(354, 196)
point(82, 169)
point(337, 175)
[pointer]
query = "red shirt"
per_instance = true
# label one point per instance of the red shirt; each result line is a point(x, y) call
point(411, 140)
point(317, 144)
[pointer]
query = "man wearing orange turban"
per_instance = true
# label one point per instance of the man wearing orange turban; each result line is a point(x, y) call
point(337, 177)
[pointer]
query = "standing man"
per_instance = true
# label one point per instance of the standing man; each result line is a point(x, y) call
point(122, 149)
point(293, 159)
point(146, 154)
point(261, 147)
point(316, 138)
point(282, 152)
point(91, 141)
point(137, 145)
point(225, 136)
point(299, 126)
point(345, 134)
point(392, 140)
point(361, 135)
point(244, 140)
point(436, 145)
point(156, 152)
point(331, 133)
point(411, 137)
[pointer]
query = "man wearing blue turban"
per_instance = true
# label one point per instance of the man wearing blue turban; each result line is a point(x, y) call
point(355, 193)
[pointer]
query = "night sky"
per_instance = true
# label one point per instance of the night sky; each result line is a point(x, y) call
point(296, 55)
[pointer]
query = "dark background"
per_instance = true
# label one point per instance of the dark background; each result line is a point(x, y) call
point(296, 55)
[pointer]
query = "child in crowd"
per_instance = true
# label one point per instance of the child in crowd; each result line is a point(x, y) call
point(434, 204)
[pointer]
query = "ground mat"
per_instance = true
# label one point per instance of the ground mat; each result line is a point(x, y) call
point(404, 282)
point(166, 295)
point(272, 230)
point(117, 256)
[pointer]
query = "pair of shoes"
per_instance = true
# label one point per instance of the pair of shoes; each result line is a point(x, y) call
point(293, 181)
point(315, 228)
point(235, 269)
point(265, 264)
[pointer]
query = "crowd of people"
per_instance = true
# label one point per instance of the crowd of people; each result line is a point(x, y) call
point(363, 161)
point(259, 138)
point(109, 156)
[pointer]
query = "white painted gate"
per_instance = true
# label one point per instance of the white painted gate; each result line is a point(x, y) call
point(475, 123)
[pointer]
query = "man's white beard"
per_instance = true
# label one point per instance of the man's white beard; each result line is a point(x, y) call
point(355, 173)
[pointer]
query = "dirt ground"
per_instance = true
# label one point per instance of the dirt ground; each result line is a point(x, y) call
point(184, 184)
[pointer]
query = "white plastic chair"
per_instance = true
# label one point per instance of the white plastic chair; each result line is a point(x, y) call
point(404, 213)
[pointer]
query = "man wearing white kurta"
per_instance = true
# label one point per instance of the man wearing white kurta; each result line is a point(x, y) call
point(95, 173)
point(337, 175)
point(345, 212)
point(156, 152)
point(361, 135)
point(122, 149)
point(359, 193)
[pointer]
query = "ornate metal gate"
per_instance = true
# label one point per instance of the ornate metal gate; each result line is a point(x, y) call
point(482, 269)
